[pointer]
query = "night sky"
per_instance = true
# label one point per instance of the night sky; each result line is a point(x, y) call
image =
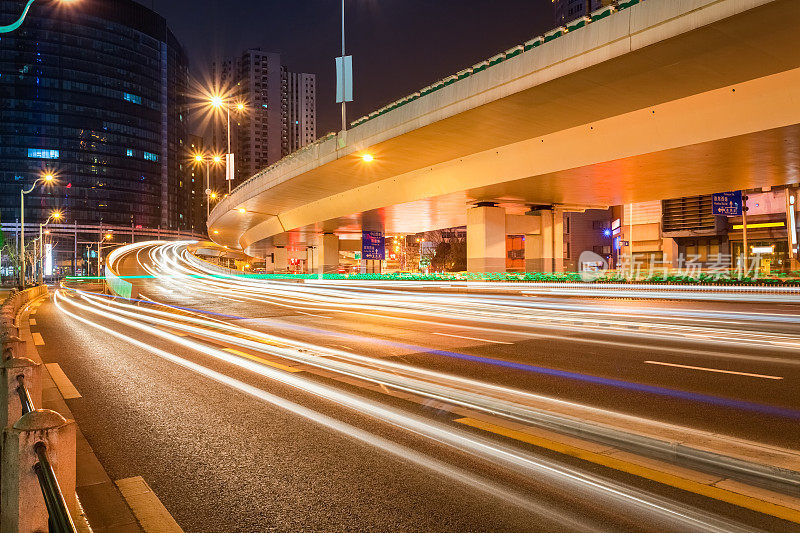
point(398, 46)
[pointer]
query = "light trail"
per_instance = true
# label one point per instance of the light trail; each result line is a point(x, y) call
point(628, 499)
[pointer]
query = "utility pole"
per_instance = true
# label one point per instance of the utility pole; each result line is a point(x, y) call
point(344, 78)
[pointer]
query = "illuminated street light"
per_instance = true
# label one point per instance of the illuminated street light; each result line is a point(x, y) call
point(55, 215)
point(216, 159)
point(219, 102)
point(367, 158)
point(48, 178)
point(106, 237)
point(242, 210)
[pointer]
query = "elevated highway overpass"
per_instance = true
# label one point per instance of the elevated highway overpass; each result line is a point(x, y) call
point(660, 100)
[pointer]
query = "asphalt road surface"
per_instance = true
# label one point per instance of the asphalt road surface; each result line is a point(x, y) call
point(277, 406)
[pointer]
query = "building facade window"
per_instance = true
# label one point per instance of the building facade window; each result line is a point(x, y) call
point(39, 153)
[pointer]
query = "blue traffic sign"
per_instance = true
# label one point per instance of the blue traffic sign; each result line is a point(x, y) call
point(728, 204)
point(373, 245)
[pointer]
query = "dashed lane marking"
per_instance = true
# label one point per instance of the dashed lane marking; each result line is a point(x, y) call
point(312, 314)
point(37, 339)
point(472, 338)
point(279, 366)
point(65, 386)
point(748, 374)
point(32, 321)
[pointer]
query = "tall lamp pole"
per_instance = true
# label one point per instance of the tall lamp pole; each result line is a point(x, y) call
point(107, 236)
point(22, 192)
point(54, 215)
point(210, 195)
point(344, 99)
point(219, 102)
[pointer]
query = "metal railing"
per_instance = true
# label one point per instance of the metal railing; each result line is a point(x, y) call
point(24, 396)
point(60, 519)
point(21, 377)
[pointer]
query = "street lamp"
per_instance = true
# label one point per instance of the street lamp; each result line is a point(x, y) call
point(219, 102)
point(54, 215)
point(216, 159)
point(47, 178)
point(106, 237)
point(18, 23)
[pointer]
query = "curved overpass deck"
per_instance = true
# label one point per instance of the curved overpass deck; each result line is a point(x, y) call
point(665, 99)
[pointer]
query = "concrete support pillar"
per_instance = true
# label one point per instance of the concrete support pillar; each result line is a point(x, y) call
point(31, 373)
point(328, 253)
point(791, 227)
point(22, 506)
point(486, 238)
point(670, 249)
point(544, 252)
point(281, 260)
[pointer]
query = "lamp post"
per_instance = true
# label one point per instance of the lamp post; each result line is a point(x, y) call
point(47, 178)
point(216, 159)
point(21, 19)
point(54, 215)
point(106, 237)
point(343, 81)
point(219, 102)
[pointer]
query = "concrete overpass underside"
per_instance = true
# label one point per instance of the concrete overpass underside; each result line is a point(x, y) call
point(663, 100)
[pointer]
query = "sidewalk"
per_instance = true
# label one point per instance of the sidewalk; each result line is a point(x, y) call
point(103, 505)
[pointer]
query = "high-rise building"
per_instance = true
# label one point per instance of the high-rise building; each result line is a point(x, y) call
point(567, 10)
point(95, 93)
point(279, 115)
point(300, 124)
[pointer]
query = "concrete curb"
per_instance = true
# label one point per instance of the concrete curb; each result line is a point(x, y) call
point(103, 508)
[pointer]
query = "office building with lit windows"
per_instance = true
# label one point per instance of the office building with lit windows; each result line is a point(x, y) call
point(95, 93)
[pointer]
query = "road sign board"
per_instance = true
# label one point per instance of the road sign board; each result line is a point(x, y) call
point(344, 79)
point(373, 245)
point(728, 204)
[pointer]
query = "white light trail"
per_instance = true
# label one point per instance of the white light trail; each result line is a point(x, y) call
point(592, 487)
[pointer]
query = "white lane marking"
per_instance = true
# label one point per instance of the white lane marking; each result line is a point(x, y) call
point(144, 503)
point(473, 338)
point(37, 339)
point(713, 370)
point(312, 314)
point(32, 321)
point(65, 386)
